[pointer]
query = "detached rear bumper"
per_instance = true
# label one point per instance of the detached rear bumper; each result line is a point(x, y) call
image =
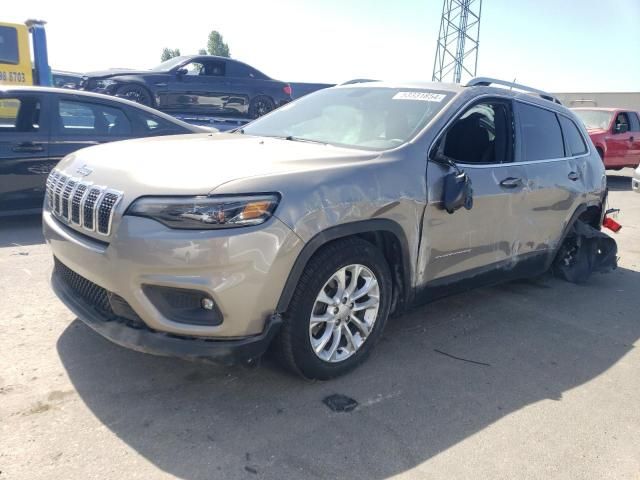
point(136, 336)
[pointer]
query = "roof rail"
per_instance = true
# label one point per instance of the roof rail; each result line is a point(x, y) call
point(487, 81)
point(358, 80)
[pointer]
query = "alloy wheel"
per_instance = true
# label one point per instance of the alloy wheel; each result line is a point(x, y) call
point(344, 313)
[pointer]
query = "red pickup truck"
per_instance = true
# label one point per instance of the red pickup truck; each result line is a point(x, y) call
point(616, 134)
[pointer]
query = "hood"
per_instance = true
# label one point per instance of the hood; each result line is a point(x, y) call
point(197, 164)
point(117, 72)
point(596, 131)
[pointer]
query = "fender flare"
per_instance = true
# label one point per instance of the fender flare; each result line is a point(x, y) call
point(342, 231)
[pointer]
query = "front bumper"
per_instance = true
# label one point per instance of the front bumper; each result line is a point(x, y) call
point(243, 271)
point(138, 337)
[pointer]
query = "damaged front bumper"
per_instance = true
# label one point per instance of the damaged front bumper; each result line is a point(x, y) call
point(132, 334)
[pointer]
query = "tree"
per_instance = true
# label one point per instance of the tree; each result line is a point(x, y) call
point(216, 45)
point(202, 51)
point(168, 53)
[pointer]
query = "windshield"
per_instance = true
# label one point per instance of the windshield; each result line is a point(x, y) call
point(595, 118)
point(168, 65)
point(375, 118)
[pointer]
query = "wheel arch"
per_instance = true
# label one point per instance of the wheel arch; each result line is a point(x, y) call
point(591, 213)
point(384, 233)
point(138, 83)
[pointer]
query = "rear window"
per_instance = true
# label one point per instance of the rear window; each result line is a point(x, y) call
point(153, 125)
point(9, 46)
point(239, 70)
point(540, 132)
point(574, 140)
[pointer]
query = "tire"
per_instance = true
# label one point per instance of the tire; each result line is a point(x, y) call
point(135, 93)
point(354, 257)
point(260, 105)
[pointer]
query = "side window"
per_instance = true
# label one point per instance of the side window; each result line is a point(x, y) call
point(213, 69)
point(541, 135)
point(621, 125)
point(239, 70)
point(83, 118)
point(574, 140)
point(482, 134)
point(19, 115)
point(152, 125)
point(9, 46)
point(634, 123)
point(193, 68)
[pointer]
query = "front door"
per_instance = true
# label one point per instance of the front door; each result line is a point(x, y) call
point(619, 141)
point(200, 87)
point(24, 152)
point(468, 243)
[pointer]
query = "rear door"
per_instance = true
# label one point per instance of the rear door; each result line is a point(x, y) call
point(556, 178)
point(470, 242)
point(79, 122)
point(24, 151)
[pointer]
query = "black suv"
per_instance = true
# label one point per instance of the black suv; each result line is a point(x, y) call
point(196, 84)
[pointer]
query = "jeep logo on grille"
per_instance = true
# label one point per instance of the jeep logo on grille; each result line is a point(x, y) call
point(84, 171)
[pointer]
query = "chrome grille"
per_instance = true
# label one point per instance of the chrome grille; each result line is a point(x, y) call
point(69, 187)
point(80, 203)
point(89, 207)
point(76, 200)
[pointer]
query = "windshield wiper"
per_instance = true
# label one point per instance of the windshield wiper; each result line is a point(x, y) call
point(291, 138)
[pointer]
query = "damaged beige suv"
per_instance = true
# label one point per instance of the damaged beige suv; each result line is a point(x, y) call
point(310, 226)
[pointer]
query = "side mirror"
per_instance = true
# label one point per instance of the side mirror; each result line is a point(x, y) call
point(457, 192)
point(181, 71)
point(621, 128)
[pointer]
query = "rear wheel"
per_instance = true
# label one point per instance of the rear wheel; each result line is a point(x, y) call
point(338, 311)
point(261, 105)
point(135, 93)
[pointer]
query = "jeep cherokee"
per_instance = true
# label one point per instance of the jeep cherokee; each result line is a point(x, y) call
point(310, 226)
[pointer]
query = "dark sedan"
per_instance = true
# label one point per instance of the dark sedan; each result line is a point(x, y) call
point(39, 126)
point(205, 85)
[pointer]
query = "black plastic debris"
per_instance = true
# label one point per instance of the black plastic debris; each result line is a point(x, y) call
point(340, 403)
point(586, 250)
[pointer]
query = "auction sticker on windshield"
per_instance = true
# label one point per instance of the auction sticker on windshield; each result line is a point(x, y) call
point(422, 96)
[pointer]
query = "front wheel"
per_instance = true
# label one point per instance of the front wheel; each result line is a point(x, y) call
point(338, 311)
point(135, 93)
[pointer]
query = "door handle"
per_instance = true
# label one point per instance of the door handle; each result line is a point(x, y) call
point(28, 147)
point(511, 182)
point(573, 176)
point(631, 139)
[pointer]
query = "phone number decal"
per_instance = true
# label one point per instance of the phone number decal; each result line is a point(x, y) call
point(17, 77)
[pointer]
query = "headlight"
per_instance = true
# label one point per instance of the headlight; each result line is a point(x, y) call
point(105, 83)
point(205, 213)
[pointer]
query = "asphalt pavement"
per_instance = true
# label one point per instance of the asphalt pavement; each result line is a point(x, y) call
point(536, 379)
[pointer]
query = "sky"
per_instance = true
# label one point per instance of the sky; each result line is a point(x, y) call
point(554, 45)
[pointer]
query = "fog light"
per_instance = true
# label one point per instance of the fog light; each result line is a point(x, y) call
point(206, 303)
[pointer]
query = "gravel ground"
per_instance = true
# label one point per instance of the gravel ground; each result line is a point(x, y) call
point(555, 393)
